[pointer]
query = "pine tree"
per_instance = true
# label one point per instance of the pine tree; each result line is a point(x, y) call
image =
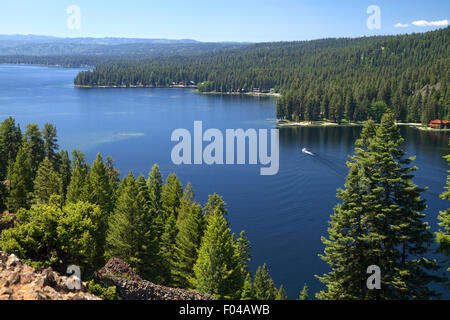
point(344, 250)
point(100, 192)
point(215, 202)
point(166, 248)
point(78, 179)
point(281, 294)
point(187, 244)
point(217, 270)
point(10, 142)
point(50, 143)
point(243, 248)
point(186, 202)
point(155, 185)
point(35, 146)
point(151, 261)
point(112, 173)
point(65, 171)
point(21, 181)
point(171, 194)
point(380, 223)
point(443, 235)
point(248, 290)
point(304, 295)
point(126, 236)
point(264, 286)
point(47, 182)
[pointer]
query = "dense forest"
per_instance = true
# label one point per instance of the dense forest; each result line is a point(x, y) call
point(336, 79)
point(69, 212)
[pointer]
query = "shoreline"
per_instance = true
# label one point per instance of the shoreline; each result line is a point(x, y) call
point(133, 87)
point(253, 94)
point(290, 124)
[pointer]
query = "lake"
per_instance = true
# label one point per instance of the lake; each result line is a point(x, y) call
point(284, 215)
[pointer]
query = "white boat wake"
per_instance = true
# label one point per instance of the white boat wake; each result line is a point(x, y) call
point(304, 150)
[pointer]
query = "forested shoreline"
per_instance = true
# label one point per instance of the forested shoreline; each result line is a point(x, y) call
point(333, 79)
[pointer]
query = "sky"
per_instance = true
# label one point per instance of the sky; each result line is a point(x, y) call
point(229, 20)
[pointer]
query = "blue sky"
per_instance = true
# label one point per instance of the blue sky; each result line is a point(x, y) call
point(210, 20)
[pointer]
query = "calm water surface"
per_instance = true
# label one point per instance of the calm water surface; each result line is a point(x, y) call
point(284, 215)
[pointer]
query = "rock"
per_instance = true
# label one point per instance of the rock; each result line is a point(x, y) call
point(14, 278)
point(21, 282)
point(6, 291)
point(131, 286)
point(49, 277)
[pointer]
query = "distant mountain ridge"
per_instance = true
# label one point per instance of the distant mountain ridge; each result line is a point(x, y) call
point(35, 45)
point(89, 40)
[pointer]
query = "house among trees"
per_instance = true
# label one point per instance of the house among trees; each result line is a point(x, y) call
point(442, 124)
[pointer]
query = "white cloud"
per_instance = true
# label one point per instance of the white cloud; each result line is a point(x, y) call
point(425, 23)
point(400, 25)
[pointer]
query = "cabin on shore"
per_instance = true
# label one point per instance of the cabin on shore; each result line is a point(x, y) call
point(439, 124)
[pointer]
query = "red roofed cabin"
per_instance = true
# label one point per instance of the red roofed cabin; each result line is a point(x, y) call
point(438, 124)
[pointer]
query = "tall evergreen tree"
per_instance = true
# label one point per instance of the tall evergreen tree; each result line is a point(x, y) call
point(186, 204)
point(166, 248)
point(187, 245)
point(79, 173)
point(243, 250)
point(264, 286)
point(155, 185)
point(47, 182)
point(35, 146)
point(215, 202)
point(100, 186)
point(443, 235)
point(304, 295)
point(50, 143)
point(171, 194)
point(382, 217)
point(152, 262)
point(10, 141)
point(65, 171)
point(112, 173)
point(217, 270)
point(248, 289)
point(21, 181)
point(127, 231)
point(281, 294)
point(345, 251)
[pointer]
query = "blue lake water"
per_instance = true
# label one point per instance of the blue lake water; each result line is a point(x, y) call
point(284, 215)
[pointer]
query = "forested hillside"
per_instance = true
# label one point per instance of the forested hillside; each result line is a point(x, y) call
point(80, 52)
point(335, 79)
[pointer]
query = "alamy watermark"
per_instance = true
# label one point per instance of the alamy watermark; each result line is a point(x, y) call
point(234, 151)
point(74, 19)
point(374, 20)
point(374, 281)
point(73, 282)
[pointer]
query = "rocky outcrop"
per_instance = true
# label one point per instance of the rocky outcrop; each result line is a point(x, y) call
point(19, 281)
point(131, 286)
